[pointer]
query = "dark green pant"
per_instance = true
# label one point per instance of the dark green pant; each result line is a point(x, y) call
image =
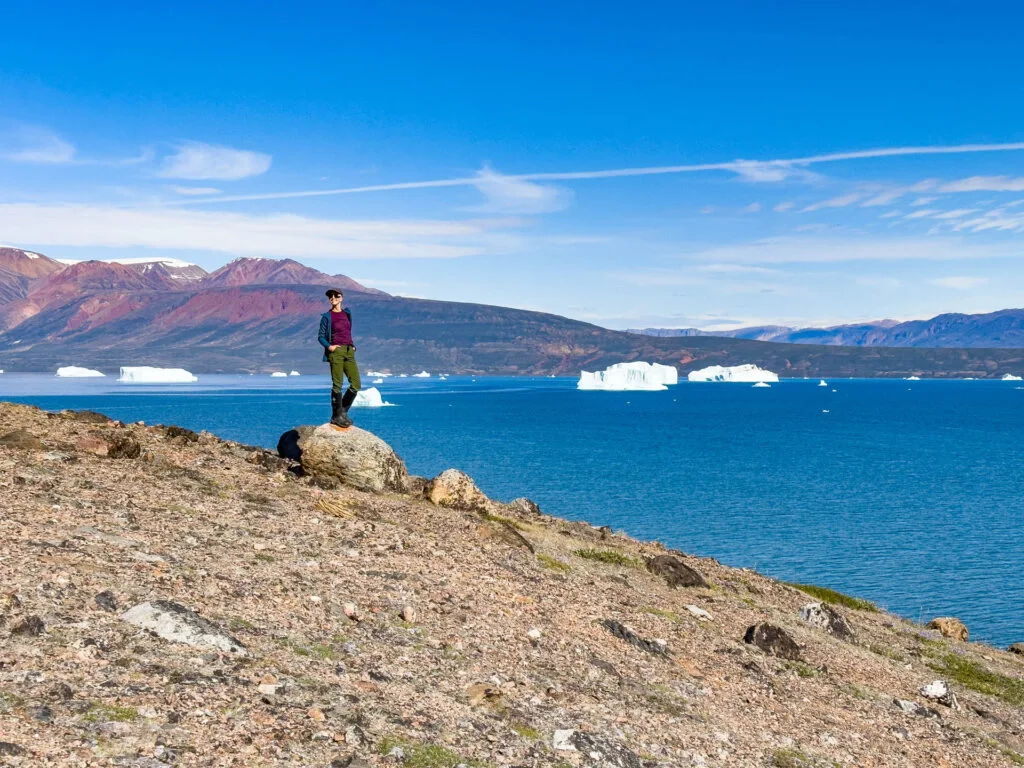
point(343, 364)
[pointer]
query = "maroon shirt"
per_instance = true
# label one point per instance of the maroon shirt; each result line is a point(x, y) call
point(341, 329)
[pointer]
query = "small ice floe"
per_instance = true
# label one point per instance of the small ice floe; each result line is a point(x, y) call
point(378, 374)
point(421, 375)
point(378, 380)
point(912, 378)
point(762, 385)
point(74, 372)
point(369, 398)
point(278, 375)
point(826, 410)
point(403, 375)
point(822, 383)
point(1011, 377)
point(145, 374)
point(294, 373)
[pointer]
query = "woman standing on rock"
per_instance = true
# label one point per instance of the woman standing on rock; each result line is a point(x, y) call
point(336, 338)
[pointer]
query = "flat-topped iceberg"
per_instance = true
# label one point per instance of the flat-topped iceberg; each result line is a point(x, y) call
point(278, 375)
point(747, 374)
point(75, 372)
point(145, 374)
point(369, 398)
point(621, 377)
point(421, 375)
point(1011, 377)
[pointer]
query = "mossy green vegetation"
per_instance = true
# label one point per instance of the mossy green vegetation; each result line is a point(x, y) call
point(827, 595)
point(102, 713)
point(975, 676)
point(505, 520)
point(315, 650)
point(526, 731)
point(426, 755)
point(794, 758)
point(609, 557)
point(552, 563)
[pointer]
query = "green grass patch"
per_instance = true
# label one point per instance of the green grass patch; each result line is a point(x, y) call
point(609, 557)
point(315, 650)
point(426, 755)
point(662, 613)
point(802, 669)
point(889, 653)
point(552, 563)
point(973, 675)
point(102, 713)
point(519, 526)
point(827, 595)
point(526, 731)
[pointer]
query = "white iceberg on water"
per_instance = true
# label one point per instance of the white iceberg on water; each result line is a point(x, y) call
point(378, 374)
point(369, 398)
point(75, 372)
point(1011, 377)
point(747, 374)
point(294, 373)
point(278, 375)
point(144, 374)
point(378, 380)
point(621, 377)
point(822, 383)
point(421, 375)
point(912, 378)
point(762, 385)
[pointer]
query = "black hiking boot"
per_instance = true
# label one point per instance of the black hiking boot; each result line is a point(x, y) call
point(346, 403)
point(338, 416)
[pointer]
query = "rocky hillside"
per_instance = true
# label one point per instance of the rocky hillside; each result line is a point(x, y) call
point(170, 598)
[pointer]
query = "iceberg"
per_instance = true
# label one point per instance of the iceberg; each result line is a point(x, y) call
point(74, 372)
point(378, 374)
point(278, 375)
point(1011, 377)
point(747, 373)
point(822, 383)
point(378, 380)
point(144, 374)
point(421, 375)
point(369, 398)
point(621, 377)
point(912, 378)
point(294, 373)
point(762, 384)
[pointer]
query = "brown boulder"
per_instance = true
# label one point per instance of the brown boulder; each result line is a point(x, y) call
point(20, 438)
point(950, 627)
point(355, 457)
point(457, 490)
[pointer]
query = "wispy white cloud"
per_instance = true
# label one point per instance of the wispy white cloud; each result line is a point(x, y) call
point(196, 160)
point(752, 208)
point(956, 213)
point(33, 144)
point(922, 213)
point(985, 184)
point(750, 170)
point(506, 194)
point(240, 234)
point(922, 201)
point(959, 283)
point(884, 198)
point(196, 190)
point(891, 214)
point(836, 202)
point(736, 269)
point(783, 207)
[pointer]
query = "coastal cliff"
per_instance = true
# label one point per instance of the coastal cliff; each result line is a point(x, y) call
point(170, 598)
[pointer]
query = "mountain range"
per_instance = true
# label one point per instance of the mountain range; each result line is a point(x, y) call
point(1004, 328)
point(259, 315)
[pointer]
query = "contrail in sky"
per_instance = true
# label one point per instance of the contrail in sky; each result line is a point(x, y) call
point(761, 170)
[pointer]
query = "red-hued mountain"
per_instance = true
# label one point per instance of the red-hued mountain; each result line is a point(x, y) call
point(18, 270)
point(179, 271)
point(278, 272)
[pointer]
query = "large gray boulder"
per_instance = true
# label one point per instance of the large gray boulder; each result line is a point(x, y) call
point(355, 457)
point(179, 624)
point(824, 616)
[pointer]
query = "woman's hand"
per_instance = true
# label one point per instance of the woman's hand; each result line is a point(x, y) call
point(332, 347)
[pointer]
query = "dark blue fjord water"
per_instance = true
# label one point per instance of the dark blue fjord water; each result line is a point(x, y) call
point(906, 493)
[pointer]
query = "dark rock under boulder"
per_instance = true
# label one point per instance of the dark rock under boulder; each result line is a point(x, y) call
point(23, 439)
point(289, 445)
point(773, 640)
point(675, 572)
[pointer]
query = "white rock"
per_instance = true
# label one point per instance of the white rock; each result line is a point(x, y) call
point(144, 374)
point(562, 739)
point(180, 625)
point(699, 613)
point(74, 372)
point(936, 689)
point(621, 377)
point(535, 634)
point(747, 373)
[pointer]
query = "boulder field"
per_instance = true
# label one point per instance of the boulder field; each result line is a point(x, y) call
point(171, 598)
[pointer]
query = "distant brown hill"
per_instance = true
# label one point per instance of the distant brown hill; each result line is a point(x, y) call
point(106, 315)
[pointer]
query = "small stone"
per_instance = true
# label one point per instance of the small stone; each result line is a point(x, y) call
point(563, 740)
point(352, 611)
point(398, 753)
point(698, 613)
point(535, 635)
point(354, 736)
point(96, 446)
point(913, 708)
point(409, 614)
point(950, 627)
point(32, 626)
point(316, 714)
point(106, 600)
point(41, 713)
point(62, 692)
point(773, 640)
point(322, 736)
point(9, 749)
point(939, 691)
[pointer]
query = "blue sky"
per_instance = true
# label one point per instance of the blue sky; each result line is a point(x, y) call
point(628, 164)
